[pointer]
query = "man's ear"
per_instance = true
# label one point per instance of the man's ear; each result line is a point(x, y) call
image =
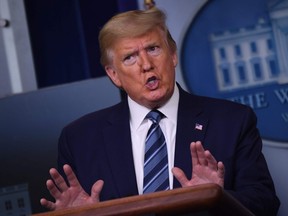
point(113, 75)
point(175, 59)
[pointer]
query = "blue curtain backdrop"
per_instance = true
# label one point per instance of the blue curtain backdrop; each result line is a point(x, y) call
point(64, 37)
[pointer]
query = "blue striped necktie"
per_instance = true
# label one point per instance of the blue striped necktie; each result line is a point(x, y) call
point(156, 177)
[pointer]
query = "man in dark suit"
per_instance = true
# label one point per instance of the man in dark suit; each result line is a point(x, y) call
point(102, 153)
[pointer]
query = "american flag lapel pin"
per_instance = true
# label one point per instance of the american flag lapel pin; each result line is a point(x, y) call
point(198, 126)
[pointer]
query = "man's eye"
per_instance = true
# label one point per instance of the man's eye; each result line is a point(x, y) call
point(152, 48)
point(155, 50)
point(129, 60)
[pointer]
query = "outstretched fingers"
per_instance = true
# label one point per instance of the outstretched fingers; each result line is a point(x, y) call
point(198, 154)
point(71, 177)
point(211, 161)
point(205, 168)
point(53, 189)
point(221, 169)
point(70, 193)
point(58, 180)
point(180, 176)
point(96, 190)
point(47, 204)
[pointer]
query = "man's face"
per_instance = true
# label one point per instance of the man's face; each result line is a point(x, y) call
point(145, 68)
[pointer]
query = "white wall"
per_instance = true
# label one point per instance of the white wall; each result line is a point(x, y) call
point(16, 65)
point(277, 159)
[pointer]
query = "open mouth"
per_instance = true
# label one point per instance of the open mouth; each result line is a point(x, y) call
point(151, 79)
point(152, 82)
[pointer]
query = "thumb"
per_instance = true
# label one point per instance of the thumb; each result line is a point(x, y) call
point(180, 176)
point(96, 190)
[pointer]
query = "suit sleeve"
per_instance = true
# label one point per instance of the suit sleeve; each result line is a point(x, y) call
point(253, 185)
point(64, 153)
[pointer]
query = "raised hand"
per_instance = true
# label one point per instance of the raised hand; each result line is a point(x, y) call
point(205, 168)
point(69, 195)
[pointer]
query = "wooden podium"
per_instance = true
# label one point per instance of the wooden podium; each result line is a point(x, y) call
point(207, 199)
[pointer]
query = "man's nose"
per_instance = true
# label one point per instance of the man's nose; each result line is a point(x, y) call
point(145, 62)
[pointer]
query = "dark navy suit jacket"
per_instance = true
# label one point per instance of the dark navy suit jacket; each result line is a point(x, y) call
point(98, 146)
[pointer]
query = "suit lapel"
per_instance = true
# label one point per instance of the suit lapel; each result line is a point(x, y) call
point(119, 150)
point(191, 126)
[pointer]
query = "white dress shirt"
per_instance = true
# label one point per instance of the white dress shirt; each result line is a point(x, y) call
point(139, 127)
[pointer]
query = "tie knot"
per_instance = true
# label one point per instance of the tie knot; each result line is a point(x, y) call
point(155, 116)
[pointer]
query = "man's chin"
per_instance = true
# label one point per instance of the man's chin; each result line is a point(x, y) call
point(156, 101)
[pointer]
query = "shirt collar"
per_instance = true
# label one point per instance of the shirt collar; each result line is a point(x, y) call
point(138, 112)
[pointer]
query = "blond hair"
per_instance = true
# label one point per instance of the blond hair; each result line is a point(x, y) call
point(132, 24)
